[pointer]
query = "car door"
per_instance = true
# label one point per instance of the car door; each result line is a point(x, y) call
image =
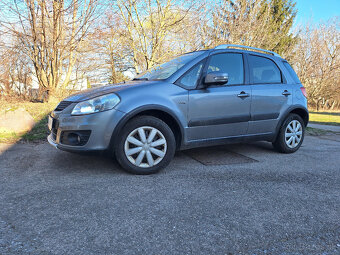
point(271, 95)
point(223, 110)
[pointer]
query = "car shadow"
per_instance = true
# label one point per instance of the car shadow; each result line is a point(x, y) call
point(104, 162)
point(264, 146)
point(90, 162)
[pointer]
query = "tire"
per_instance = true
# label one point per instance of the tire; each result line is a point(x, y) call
point(288, 141)
point(137, 154)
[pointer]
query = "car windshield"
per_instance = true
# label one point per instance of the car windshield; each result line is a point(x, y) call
point(167, 69)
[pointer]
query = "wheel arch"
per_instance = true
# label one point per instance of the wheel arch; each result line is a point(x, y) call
point(299, 110)
point(303, 113)
point(157, 111)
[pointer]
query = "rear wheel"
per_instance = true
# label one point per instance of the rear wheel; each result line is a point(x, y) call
point(291, 134)
point(147, 144)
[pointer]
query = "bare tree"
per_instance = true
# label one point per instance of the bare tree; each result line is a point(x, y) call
point(151, 28)
point(317, 61)
point(15, 72)
point(113, 47)
point(52, 35)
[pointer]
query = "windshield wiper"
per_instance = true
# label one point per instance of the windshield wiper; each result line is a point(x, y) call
point(140, 79)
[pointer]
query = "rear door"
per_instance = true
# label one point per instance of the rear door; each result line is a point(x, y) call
point(220, 111)
point(271, 95)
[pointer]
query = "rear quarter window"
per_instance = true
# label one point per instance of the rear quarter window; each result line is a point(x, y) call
point(291, 72)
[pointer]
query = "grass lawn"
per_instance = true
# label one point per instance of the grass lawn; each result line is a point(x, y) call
point(325, 118)
point(39, 112)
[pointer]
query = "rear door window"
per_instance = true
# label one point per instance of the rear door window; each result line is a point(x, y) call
point(264, 70)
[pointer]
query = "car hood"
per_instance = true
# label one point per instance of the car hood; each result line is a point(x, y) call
point(103, 90)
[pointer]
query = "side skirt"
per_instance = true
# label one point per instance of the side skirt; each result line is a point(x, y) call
point(228, 140)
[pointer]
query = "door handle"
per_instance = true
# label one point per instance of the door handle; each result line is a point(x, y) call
point(286, 93)
point(243, 94)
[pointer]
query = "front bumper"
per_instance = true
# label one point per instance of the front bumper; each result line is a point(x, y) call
point(51, 141)
point(101, 126)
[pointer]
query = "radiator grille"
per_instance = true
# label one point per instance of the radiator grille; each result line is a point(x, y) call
point(62, 105)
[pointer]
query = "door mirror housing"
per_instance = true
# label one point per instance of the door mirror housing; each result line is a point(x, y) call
point(216, 78)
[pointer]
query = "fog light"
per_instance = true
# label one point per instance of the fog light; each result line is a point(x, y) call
point(73, 138)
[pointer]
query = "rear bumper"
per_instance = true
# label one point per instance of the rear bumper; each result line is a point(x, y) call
point(101, 126)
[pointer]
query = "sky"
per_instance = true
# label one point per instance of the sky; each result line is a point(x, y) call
point(317, 10)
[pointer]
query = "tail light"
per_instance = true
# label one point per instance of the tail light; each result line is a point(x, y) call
point(303, 90)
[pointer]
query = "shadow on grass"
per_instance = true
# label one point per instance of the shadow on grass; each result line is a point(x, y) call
point(38, 133)
point(38, 111)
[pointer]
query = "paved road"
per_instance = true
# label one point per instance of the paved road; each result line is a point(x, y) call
point(255, 202)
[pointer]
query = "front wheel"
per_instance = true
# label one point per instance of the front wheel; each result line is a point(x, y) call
point(291, 134)
point(146, 145)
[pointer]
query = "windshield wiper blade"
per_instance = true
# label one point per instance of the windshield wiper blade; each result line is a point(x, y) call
point(140, 79)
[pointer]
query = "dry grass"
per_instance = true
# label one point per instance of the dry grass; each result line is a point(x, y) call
point(39, 112)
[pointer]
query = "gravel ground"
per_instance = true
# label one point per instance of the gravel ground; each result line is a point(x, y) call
point(55, 202)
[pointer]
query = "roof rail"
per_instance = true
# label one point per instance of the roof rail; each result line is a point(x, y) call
point(226, 46)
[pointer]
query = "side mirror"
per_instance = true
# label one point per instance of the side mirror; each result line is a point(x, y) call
point(216, 78)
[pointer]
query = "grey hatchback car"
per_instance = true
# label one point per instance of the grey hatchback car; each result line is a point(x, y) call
point(231, 93)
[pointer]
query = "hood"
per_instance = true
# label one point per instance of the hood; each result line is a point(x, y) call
point(103, 90)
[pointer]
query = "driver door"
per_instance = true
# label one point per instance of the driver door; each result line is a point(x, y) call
point(220, 111)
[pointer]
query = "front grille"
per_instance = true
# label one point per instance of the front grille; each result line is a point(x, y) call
point(62, 105)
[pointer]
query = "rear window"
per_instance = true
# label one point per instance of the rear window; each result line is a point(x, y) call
point(291, 72)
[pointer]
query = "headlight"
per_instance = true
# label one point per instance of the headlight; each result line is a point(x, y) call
point(98, 104)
